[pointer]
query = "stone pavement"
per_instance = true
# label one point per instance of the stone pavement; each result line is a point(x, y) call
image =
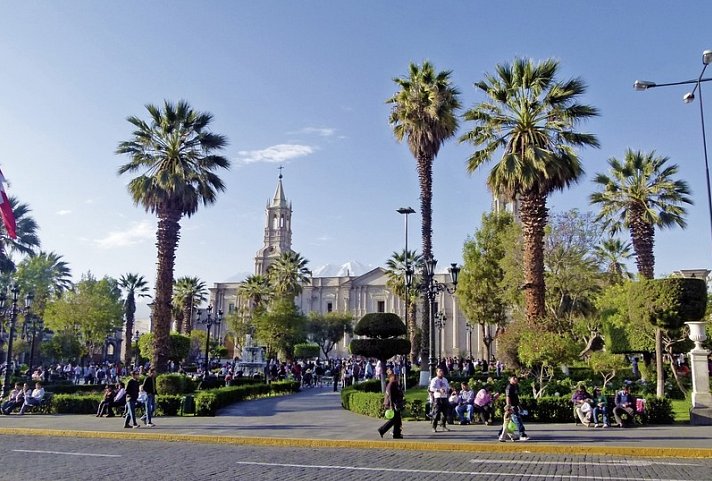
point(315, 417)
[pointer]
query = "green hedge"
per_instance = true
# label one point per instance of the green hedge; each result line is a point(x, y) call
point(65, 388)
point(209, 401)
point(174, 384)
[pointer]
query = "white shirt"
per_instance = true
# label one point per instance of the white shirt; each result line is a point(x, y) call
point(439, 387)
point(38, 393)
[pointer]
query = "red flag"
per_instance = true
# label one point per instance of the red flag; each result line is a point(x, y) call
point(8, 217)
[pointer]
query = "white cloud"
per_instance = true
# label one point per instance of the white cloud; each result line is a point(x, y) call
point(275, 154)
point(64, 212)
point(320, 131)
point(136, 234)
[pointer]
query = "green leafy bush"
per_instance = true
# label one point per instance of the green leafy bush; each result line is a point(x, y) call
point(174, 384)
point(168, 404)
point(360, 402)
point(75, 403)
point(209, 401)
point(659, 410)
point(67, 388)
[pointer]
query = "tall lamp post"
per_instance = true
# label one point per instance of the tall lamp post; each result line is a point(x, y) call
point(136, 337)
point(430, 289)
point(687, 98)
point(10, 314)
point(405, 211)
point(469, 328)
point(32, 327)
point(209, 322)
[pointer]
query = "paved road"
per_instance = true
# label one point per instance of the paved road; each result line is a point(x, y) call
point(316, 414)
point(58, 459)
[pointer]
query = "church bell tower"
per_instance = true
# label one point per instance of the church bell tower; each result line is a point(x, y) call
point(278, 230)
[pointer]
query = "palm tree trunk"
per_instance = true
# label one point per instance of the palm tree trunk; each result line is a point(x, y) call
point(534, 215)
point(188, 317)
point(643, 237)
point(130, 312)
point(413, 330)
point(167, 241)
point(425, 178)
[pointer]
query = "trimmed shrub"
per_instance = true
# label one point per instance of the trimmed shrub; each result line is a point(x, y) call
point(209, 401)
point(168, 404)
point(174, 384)
point(306, 350)
point(367, 403)
point(75, 403)
point(74, 388)
point(659, 410)
point(380, 325)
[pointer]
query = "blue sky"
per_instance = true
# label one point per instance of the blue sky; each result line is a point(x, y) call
point(303, 84)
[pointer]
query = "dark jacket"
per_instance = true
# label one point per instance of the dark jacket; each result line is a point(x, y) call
point(132, 389)
point(394, 396)
point(149, 385)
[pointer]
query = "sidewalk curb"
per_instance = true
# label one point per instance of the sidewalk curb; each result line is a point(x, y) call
point(475, 447)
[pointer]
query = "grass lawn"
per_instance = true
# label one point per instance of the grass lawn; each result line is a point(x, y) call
point(681, 408)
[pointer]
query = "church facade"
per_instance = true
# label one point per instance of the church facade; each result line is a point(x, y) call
point(348, 291)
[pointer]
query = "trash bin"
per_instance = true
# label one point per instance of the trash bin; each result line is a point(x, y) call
point(187, 405)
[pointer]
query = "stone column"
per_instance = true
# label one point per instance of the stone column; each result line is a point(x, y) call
point(701, 410)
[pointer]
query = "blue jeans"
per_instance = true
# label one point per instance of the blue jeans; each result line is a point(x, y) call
point(604, 414)
point(150, 407)
point(464, 411)
point(130, 412)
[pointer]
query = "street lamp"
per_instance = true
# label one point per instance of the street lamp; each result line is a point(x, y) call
point(10, 315)
point(209, 321)
point(440, 321)
point(469, 328)
point(405, 211)
point(136, 337)
point(430, 288)
point(641, 85)
point(33, 326)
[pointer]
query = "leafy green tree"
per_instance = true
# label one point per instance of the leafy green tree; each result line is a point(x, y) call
point(175, 156)
point(91, 311)
point(395, 272)
point(542, 351)
point(27, 239)
point(188, 292)
point(606, 364)
point(382, 332)
point(287, 274)
point(640, 194)
point(239, 326)
point(325, 330)
point(424, 113)
point(44, 274)
point(133, 285)
point(480, 290)
point(62, 346)
point(531, 117)
point(280, 327)
point(179, 346)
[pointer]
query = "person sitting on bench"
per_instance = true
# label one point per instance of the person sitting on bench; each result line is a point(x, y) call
point(625, 404)
point(16, 398)
point(34, 399)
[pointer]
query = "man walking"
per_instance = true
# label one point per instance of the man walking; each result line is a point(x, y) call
point(512, 394)
point(132, 388)
point(149, 387)
point(439, 389)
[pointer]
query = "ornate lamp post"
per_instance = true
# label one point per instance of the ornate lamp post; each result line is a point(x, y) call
point(32, 327)
point(405, 211)
point(469, 328)
point(209, 321)
point(687, 98)
point(10, 315)
point(430, 289)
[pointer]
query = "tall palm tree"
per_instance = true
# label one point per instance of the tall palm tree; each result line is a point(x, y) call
point(174, 154)
point(531, 117)
point(46, 275)
point(189, 292)
point(287, 274)
point(256, 290)
point(640, 195)
point(395, 271)
point(424, 114)
point(612, 253)
point(133, 285)
point(27, 239)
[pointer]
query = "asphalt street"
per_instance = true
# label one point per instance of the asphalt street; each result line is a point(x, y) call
point(58, 459)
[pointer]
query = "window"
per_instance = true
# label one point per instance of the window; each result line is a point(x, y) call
point(381, 306)
point(231, 308)
point(329, 307)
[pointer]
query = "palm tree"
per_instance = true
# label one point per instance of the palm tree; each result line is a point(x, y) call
point(188, 293)
point(424, 113)
point(395, 271)
point(256, 290)
point(287, 274)
point(639, 195)
point(531, 117)
point(134, 285)
point(46, 275)
point(612, 253)
point(27, 239)
point(174, 154)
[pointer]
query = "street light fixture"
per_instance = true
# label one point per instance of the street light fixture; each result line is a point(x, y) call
point(689, 97)
point(209, 321)
point(136, 337)
point(469, 328)
point(32, 327)
point(430, 289)
point(10, 315)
